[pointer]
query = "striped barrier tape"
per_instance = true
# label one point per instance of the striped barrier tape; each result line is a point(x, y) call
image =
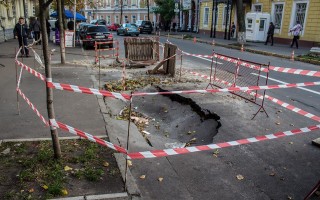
point(30, 70)
point(273, 99)
point(178, 151)
point(37, 57)
point(33, 107)
point(257, 67)
point(74, 88)
point(230, 89)
point(85, 90)
point(87, 136)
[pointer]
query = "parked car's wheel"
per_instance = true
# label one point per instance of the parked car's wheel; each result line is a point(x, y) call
point(111, 46)
point(149, 32)
point(85, 46)
point(137, 35)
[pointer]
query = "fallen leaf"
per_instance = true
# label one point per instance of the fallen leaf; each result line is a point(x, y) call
point(291, 124)
point(106, 164)
point(129, 163)
point(64, 192)
point(45, 187)
point(142, 176)
point(240, 177)
point(31, 190)
point(193, 140)
point(278, 123)
point(290, 142)
point(290, 197)
point(272, 174)
point(160, 179)
point(67, 168)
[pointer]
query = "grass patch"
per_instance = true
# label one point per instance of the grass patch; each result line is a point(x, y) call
point(29, 170)
point(310, 56)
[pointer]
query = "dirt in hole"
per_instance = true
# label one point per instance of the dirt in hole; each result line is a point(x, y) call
point(174, 118)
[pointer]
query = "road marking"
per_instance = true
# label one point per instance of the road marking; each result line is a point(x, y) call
point(275, 80)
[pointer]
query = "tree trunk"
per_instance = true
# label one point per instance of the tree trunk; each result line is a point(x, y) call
point(148, 6)
point(241, 23)
point(46, 56)
point(121, 5)
point(61, 30)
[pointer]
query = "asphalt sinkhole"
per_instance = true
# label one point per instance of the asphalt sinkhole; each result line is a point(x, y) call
point(175, 120)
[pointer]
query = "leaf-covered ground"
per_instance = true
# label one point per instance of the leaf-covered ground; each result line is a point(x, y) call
point(29, 171)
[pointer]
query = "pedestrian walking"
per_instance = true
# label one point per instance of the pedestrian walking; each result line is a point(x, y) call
point(36, 28)
point(233, 29)
point(296, 34)
point(20, 31)
point(270, 34)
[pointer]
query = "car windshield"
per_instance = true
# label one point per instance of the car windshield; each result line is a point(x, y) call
point(134, 25)
point(97, 29)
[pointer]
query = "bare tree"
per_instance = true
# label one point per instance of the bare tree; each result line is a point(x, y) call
point(61, 31)
point(46, 56)
point(241, 22)
point(121, 11)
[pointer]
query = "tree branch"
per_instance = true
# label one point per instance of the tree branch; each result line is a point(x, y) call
point(46, 4)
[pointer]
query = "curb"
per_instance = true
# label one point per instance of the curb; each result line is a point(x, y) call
point(132, 187)
point(266, 53)
point(96, 197)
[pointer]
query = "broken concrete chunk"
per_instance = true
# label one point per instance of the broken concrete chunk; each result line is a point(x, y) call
point(6, 151)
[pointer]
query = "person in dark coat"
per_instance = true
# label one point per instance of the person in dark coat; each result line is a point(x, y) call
point(36, 28)
point(20, 31)
point(270, 34)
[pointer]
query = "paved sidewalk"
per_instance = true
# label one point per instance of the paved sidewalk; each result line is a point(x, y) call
point(278, 50)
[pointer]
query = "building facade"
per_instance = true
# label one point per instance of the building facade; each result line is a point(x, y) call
point(283, 13)
point(109, 10)
point(10, 11)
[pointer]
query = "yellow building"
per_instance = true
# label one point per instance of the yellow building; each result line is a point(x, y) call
point(10, 11)
point(283, 13)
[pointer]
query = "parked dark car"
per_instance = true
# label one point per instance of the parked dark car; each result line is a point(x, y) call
point(144, 26)
point(99, 22)
point(113, 27)
point(128, 29)
point(95, 33)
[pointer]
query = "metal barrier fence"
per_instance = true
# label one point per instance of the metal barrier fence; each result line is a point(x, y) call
point(228, 71)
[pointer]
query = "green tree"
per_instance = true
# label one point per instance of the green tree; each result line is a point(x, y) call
point(165, 9)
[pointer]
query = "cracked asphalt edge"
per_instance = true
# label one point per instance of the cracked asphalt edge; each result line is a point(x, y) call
point(132, 187)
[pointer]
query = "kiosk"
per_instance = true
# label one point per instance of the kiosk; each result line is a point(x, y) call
point(257, 25)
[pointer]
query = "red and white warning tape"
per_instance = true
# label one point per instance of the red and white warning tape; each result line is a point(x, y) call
point(178, 151)
point(79, 89)
point(273, 99)
point(33, 107)
point(230, 89)
point(87, 136)
point(257, 67)
point(31, 71)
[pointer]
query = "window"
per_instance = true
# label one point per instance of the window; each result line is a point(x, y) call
point(257, 8)
point(126, 19)
point(224, 15)
point(116, 19)
point(278, 11)
point(133, 17)
point(116, 2)
point(108, 3)
point(145, 17)
point(300, 14)
point(133, 2)
point(249, 23)
point(261, 25)
point(206, 17)
point(101, 17)
point(108, 20)
point(124, 2)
